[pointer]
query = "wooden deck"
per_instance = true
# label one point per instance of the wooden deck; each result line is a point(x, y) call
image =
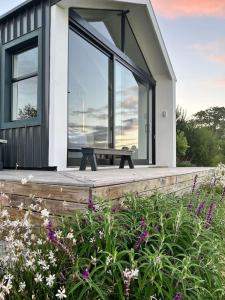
point(63, 192)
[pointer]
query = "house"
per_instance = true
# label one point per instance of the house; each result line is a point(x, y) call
point(85, 73)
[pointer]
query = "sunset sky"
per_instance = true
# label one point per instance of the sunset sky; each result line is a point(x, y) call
point(194, 33)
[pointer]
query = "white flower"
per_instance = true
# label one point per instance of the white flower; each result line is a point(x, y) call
point(24, 180)
point(4, 213)
point(45, 213)
point(108, 260)
point(93, 260)
point(21, 206)
point(50, 280)
point(22, 286)
point(135, 273)
point(38, 278)
point(101, 234)
point(61, 293)
point(46, 222)
point(58, 234)
point(70, 235)
point(92, 240)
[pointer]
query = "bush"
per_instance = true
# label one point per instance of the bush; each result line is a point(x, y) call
point(158, 247)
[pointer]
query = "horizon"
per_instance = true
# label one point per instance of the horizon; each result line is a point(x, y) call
point(194, 37)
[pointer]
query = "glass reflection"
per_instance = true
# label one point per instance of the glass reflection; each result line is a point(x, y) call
point(88, 94)
point(24, 99)
point(25, 63)
point(130, 112)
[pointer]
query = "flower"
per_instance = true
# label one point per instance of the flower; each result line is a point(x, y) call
point(85, 274)
point(45, 213)
point(178, 296)
point(22, 286)
point(38, 278)
point(4, 213)
point(142, 238)
point(50, 280)
point(61, 293)
point(128, 276)
point(91, 205)
point(200, 208)
point(210, 215)
point(51, 232)
point(24, 180)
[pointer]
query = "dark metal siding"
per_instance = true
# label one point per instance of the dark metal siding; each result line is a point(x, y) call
point(28, 146)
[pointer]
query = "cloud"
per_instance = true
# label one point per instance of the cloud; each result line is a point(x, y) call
point(212, 51)
point(180, 8)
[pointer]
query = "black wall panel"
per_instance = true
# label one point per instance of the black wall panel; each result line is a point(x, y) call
point(28, 145)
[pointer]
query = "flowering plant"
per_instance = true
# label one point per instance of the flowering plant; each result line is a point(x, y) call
point(153, 247)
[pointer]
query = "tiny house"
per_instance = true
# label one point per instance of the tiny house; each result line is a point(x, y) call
point(90, 73)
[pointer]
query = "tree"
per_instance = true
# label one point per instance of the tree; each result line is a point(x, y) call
point(29, 111)
point(212, 118)
point(182, 145)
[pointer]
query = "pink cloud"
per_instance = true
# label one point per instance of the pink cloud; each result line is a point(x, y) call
point(217, 58)
point(212, 51)
point(179, 8)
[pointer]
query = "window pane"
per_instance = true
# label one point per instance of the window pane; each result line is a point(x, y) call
point(106, 22)
point(130, 113)
point(88, 94)
point(24, 104)
point(25, 63)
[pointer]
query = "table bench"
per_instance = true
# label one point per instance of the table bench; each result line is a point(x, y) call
point(89, 155)
point(2, 142)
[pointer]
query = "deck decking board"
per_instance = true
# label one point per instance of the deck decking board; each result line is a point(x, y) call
point(64, 192)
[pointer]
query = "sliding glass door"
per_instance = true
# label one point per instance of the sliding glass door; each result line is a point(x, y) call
point(108, 104)
point(131, 112)
point(88, 115)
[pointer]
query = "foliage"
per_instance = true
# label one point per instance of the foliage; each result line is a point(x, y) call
point(212, 118)
point(182, 145)
point(158, 247)
point(29, 111)
point(205, 134)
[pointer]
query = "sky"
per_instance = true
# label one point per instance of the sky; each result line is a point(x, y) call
point(194, 34)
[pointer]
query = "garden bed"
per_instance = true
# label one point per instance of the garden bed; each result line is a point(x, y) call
point(148, 247)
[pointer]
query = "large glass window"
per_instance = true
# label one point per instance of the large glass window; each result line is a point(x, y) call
point(115, 27)
point(88, 95)
point(24, 84)
point(106, 22)
point(131, 116)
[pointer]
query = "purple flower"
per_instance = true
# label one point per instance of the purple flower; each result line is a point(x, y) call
point(142, 238)
point(91, 205)
point(51, 232)
point(210, 215)
point(85, 274)
point(223, 194)
point(194, 183)
point(178, 296)
point(200, 208)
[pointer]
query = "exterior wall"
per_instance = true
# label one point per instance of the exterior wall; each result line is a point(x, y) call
point(27, 144)
point(58, 87)
point(146, 30)
point(165, 122)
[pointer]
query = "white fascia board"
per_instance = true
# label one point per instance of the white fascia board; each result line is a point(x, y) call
point(58, 88)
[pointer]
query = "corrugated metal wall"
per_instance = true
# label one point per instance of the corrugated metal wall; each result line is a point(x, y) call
point(28, 146)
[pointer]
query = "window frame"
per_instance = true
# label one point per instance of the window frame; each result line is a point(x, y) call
point(21, 44)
